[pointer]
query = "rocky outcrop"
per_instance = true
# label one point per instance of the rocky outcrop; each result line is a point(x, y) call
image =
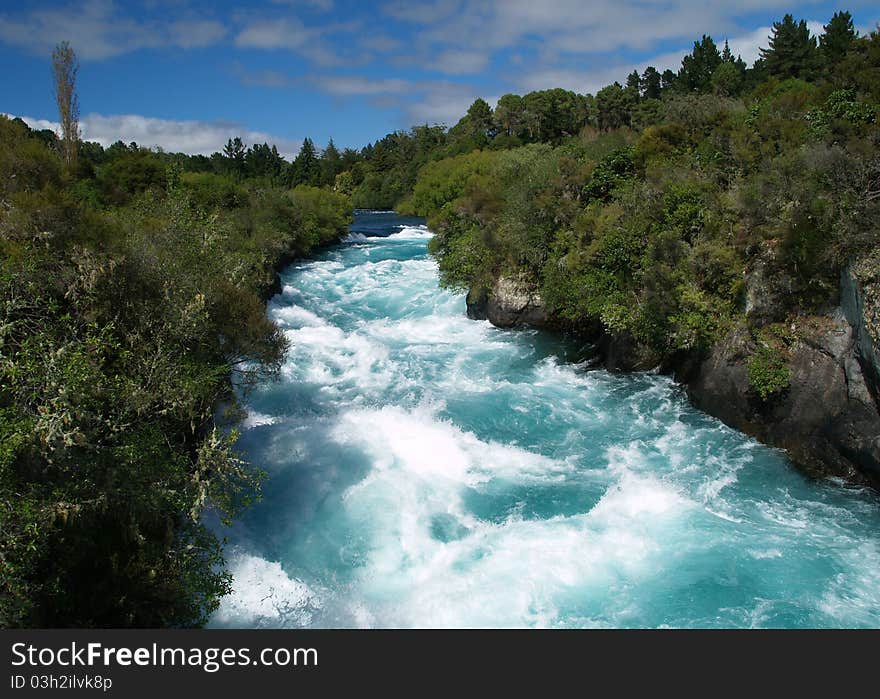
point(766, 289)
point(511, 302)
point(477, 302)
point(860, 303)
point(827, 419)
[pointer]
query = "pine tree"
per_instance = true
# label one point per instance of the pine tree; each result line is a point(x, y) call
point(633, 85)
point(651, 83)
point(697, 68)
point(330, 164)
point(668, 80)
point(478, 120)
point(838, 37)
point(305, 169)
point(614, 105)
point(726, 54)
point(509, 115)
point(263, 161)
point(793, 52)
point(235, 153)
point(729, 77)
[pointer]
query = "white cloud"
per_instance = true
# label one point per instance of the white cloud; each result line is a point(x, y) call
point(37, 124)
point(183, 136)
point(574, 80)
point(590, 81)
point(440, 107)
point(381, 43)
point(191, 34)
point(360, 86)
point(97, 30)
point(319, 5)
point(274, 34)
point(262, 78)
point(421, 13)
point(311, 42)
point(573, 26)
point(457, 62)
point(420, 101)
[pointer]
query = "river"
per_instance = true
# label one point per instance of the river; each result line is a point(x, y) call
point(426, 470)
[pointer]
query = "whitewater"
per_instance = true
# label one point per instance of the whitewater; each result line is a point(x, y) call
point(426, 470)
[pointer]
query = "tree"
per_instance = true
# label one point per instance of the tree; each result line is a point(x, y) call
point(729, 77)
point(614, 105)
point(697, 68)
point(651, 83)
point(727, 80)
point(305, 168)
point(550, 115)
point(480, 116)
point(65, 66)
point(634, 84)
point(263, 161)
point(838, 37)
point(509, 115)
point(234, 152)
point(477, 125)
point(331, 164)
point(667, 80)
point(726, 53)
point(793, 52)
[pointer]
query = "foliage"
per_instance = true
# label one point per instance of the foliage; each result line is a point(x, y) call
point(133, 282)
point(838, 38)
point(65, 66)
point(698, 68)
point(614, 105)
point(793, 52)
point(446, 180)
point(646, 223)
point(125, 317)
point(768, 370)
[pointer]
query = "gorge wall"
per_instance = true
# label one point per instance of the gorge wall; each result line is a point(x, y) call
point(827, 419)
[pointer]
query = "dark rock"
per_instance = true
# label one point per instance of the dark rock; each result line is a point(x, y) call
point(860, 302)
point(511, 303)
point(826, 420)
point(477, 302)
point(766, 289)
point(621, 352)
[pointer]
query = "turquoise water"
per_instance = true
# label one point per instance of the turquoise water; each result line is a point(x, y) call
point(428, 470)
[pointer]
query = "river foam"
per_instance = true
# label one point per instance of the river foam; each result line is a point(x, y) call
point(428, 470)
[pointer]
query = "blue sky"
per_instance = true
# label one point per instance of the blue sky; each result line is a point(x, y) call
point(187, 75)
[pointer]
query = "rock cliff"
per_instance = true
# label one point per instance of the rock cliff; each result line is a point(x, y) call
point(827, 419)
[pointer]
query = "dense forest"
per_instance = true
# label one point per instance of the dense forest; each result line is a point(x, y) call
point(134, 281)
point(647, 209)
point(132, 297)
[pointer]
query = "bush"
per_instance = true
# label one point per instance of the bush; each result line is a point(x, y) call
point(768, 370)
point(445, 181)
point(209, 191)
point(130, 174)
point(26, 164)
point(120, 330)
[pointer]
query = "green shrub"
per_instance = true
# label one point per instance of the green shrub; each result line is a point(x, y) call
point(768, 370)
